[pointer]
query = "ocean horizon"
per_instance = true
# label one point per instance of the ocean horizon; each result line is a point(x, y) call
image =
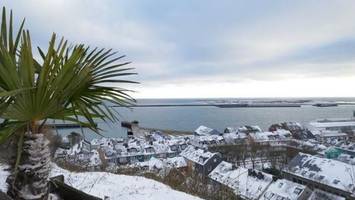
point(189, 118)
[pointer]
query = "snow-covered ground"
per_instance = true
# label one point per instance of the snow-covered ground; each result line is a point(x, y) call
point(120, 187)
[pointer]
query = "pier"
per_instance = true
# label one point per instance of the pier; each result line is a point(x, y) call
point(64, 125)
point(222, 105)
point(136, 130)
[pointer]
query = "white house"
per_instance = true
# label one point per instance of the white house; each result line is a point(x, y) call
point(246, 183)
point(284, 189)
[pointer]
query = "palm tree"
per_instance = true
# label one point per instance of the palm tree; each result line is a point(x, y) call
point(70, 83)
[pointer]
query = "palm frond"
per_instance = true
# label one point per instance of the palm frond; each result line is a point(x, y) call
point(71, 81)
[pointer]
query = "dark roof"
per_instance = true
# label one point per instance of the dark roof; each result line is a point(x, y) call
point(68, 192)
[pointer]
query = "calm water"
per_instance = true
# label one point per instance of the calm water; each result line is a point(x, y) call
point(189, 118)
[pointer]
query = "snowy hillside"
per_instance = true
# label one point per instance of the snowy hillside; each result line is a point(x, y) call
point(118, 187)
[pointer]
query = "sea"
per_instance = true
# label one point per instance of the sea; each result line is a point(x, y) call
point(190, 117)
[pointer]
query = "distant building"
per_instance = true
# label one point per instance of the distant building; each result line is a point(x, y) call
point(205, 131)
point(74, 138)
point(347, 148)
point(327, 136)
point(249, 129)
point(333, 124)
point(297, 130)
point(321, 173)
point(334, 129)
point(200, 160)
point(230, 130)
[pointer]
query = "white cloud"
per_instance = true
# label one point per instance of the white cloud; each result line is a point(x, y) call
point(201, 58)
point(299, 25)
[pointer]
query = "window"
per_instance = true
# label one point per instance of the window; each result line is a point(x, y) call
point(280, 185)
point(298, 191)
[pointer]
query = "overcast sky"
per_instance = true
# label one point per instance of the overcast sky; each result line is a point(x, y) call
point(201, 48)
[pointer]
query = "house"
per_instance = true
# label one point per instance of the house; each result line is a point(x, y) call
point(284, 189)
point(157, 164)
point(249, 129)
point(297, 130)
point(333, 124)
point(346, 148)
point(126, 151)
point(278, 137)
point(74, 138)
point(322, 195)
point(132, 150)
point(65, 144)
point(110, 155)
point(230, 130)
point(235, 138)
point(328, 136)
point(149, 149)
point(176, 162)
point(203, 130)
point(200, 160)
point(183, 146)
point(246, 183)
point(321, 173)
point(86, 146)
point(208, 140)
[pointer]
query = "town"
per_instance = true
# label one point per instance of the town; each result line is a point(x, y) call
point(288, 161)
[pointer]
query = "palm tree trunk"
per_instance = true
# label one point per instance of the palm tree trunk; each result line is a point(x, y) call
point(31, 180)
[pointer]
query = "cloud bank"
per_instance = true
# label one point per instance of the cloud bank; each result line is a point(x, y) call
point(213, 48)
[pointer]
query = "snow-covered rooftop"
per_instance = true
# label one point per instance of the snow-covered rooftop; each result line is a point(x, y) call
point(333, 122)
point(279, 134)
point(197, 155)
point(231, 130)
point(326, 171)
point(232, 137)
point(322, 195)
point(203, 130)
point(328, 133)
point(157, 163)
point(283, 189)
point(176, 162)
point(240, 181)
point(153, 163)
point(249, 128)
point(348, 146)
point(114, 148)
